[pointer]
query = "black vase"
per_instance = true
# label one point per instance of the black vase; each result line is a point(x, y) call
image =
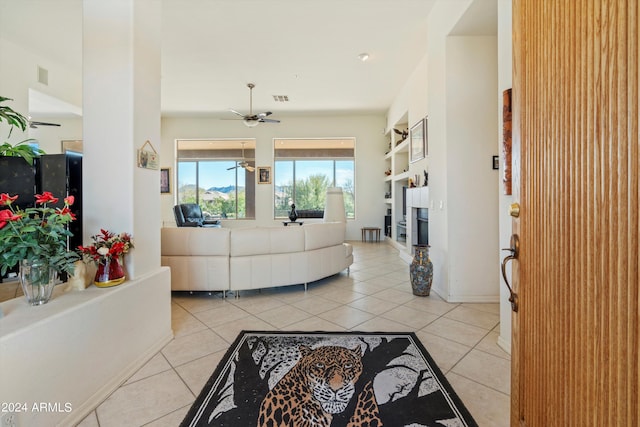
point(293, 215)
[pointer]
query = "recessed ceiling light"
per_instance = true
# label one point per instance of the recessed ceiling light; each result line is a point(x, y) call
point(363, 56)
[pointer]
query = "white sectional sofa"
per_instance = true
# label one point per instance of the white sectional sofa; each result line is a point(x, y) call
point(235, 259)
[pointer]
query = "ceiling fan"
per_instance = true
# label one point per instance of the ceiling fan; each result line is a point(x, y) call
point(243, 164)
point(251, 120)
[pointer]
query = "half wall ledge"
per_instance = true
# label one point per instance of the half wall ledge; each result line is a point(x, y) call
point(80, 346)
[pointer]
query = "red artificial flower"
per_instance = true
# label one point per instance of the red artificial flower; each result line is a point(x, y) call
point(69, 200)
point(46, 197)
point(66, 211)
point(116, 249)
point(6, 215)
point(6, 200)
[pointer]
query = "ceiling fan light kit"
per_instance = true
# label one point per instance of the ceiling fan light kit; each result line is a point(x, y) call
point(250, 123)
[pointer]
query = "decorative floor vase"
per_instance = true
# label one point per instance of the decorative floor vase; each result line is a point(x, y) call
point(421, 271)
point(110, 273)
point(37, 279)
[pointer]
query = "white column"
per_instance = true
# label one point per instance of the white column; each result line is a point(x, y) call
point(121, 104)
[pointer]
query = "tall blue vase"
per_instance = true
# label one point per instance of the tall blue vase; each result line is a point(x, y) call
point(421, 271)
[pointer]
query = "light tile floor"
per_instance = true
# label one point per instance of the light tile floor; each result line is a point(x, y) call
point(375, 296)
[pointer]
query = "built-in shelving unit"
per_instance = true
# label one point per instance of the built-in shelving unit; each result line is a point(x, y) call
point(396, 179)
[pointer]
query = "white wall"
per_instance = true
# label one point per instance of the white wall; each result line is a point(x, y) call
point(505, 68)
point(442, 19)
point(455, 85)
point(472, 197)
point(370, 146)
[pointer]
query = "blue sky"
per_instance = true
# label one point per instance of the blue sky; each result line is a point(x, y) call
point(217, 175)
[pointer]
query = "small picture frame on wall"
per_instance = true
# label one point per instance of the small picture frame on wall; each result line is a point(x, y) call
point(165, 180)
point(496, 162)
point(417, 141)
point(264, 175)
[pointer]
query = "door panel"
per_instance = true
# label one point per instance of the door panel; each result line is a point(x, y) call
point(575, 138)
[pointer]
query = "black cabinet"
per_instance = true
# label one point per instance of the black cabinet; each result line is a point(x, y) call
point(60, 174)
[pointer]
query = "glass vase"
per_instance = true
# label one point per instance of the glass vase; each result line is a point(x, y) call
point(37, 279)
point(109, 273)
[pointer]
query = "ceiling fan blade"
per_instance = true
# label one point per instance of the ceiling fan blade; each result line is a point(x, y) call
point(250, 168)
point(269, 121)
point(265, 114)
point(236, 112)
point(233, 167)
point(34, 125)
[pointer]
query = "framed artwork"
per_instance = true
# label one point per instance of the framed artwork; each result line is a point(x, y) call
point(165, 180)
point(496, 162)
point(418, 145)
point(264, 175)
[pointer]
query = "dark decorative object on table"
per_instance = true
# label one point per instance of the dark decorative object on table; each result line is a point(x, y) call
point(426, 178)
point(421, 271)
point(292, 214)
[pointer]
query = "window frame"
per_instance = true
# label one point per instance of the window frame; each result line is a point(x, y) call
point(333, 160)
point(197, 160)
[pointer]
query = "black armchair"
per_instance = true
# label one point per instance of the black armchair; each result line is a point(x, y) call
point(190, 215)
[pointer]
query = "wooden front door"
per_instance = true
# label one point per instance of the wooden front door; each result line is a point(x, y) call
point(575, 135)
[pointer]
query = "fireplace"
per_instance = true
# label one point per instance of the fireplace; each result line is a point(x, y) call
point(422, 222)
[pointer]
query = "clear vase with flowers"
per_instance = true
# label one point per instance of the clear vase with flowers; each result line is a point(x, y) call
point(36, 239)
point(107, 252)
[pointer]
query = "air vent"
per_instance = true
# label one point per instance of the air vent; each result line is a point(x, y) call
point(281, 98)
point(43, 76)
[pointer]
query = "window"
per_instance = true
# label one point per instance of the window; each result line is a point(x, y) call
point(218, 175)
point(305, 168)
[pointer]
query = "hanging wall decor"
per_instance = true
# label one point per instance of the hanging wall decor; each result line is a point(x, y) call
point(417, 142)
point(148, 158)
point(506, 140)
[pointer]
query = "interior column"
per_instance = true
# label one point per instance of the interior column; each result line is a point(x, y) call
point(121, 111)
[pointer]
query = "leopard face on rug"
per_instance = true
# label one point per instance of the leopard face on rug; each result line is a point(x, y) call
point(320, 384)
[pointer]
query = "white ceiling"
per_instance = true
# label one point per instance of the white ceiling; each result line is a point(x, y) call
point(304, 49)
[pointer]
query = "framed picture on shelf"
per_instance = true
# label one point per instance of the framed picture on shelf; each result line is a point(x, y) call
point(165, 180)
point(418, 141)
point(264, 175)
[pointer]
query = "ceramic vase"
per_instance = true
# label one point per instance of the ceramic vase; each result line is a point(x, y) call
point(421, 271)
point(293, 215)
point(37, 279)
point(110, 273)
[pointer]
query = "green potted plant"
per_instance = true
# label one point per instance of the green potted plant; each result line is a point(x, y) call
point(23, 148)
point(36, 239)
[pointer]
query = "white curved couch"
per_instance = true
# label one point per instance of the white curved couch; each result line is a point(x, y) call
point(233, 259)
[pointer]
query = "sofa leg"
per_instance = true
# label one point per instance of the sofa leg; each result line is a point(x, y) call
point(348, 270)
point(305, 286)
point(224, 294)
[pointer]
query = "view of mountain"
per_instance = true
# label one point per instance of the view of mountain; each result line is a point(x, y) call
point(227, 189)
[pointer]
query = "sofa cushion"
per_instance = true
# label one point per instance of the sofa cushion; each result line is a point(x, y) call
point(322, 235)
point(188, 241)
point(266, 240)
